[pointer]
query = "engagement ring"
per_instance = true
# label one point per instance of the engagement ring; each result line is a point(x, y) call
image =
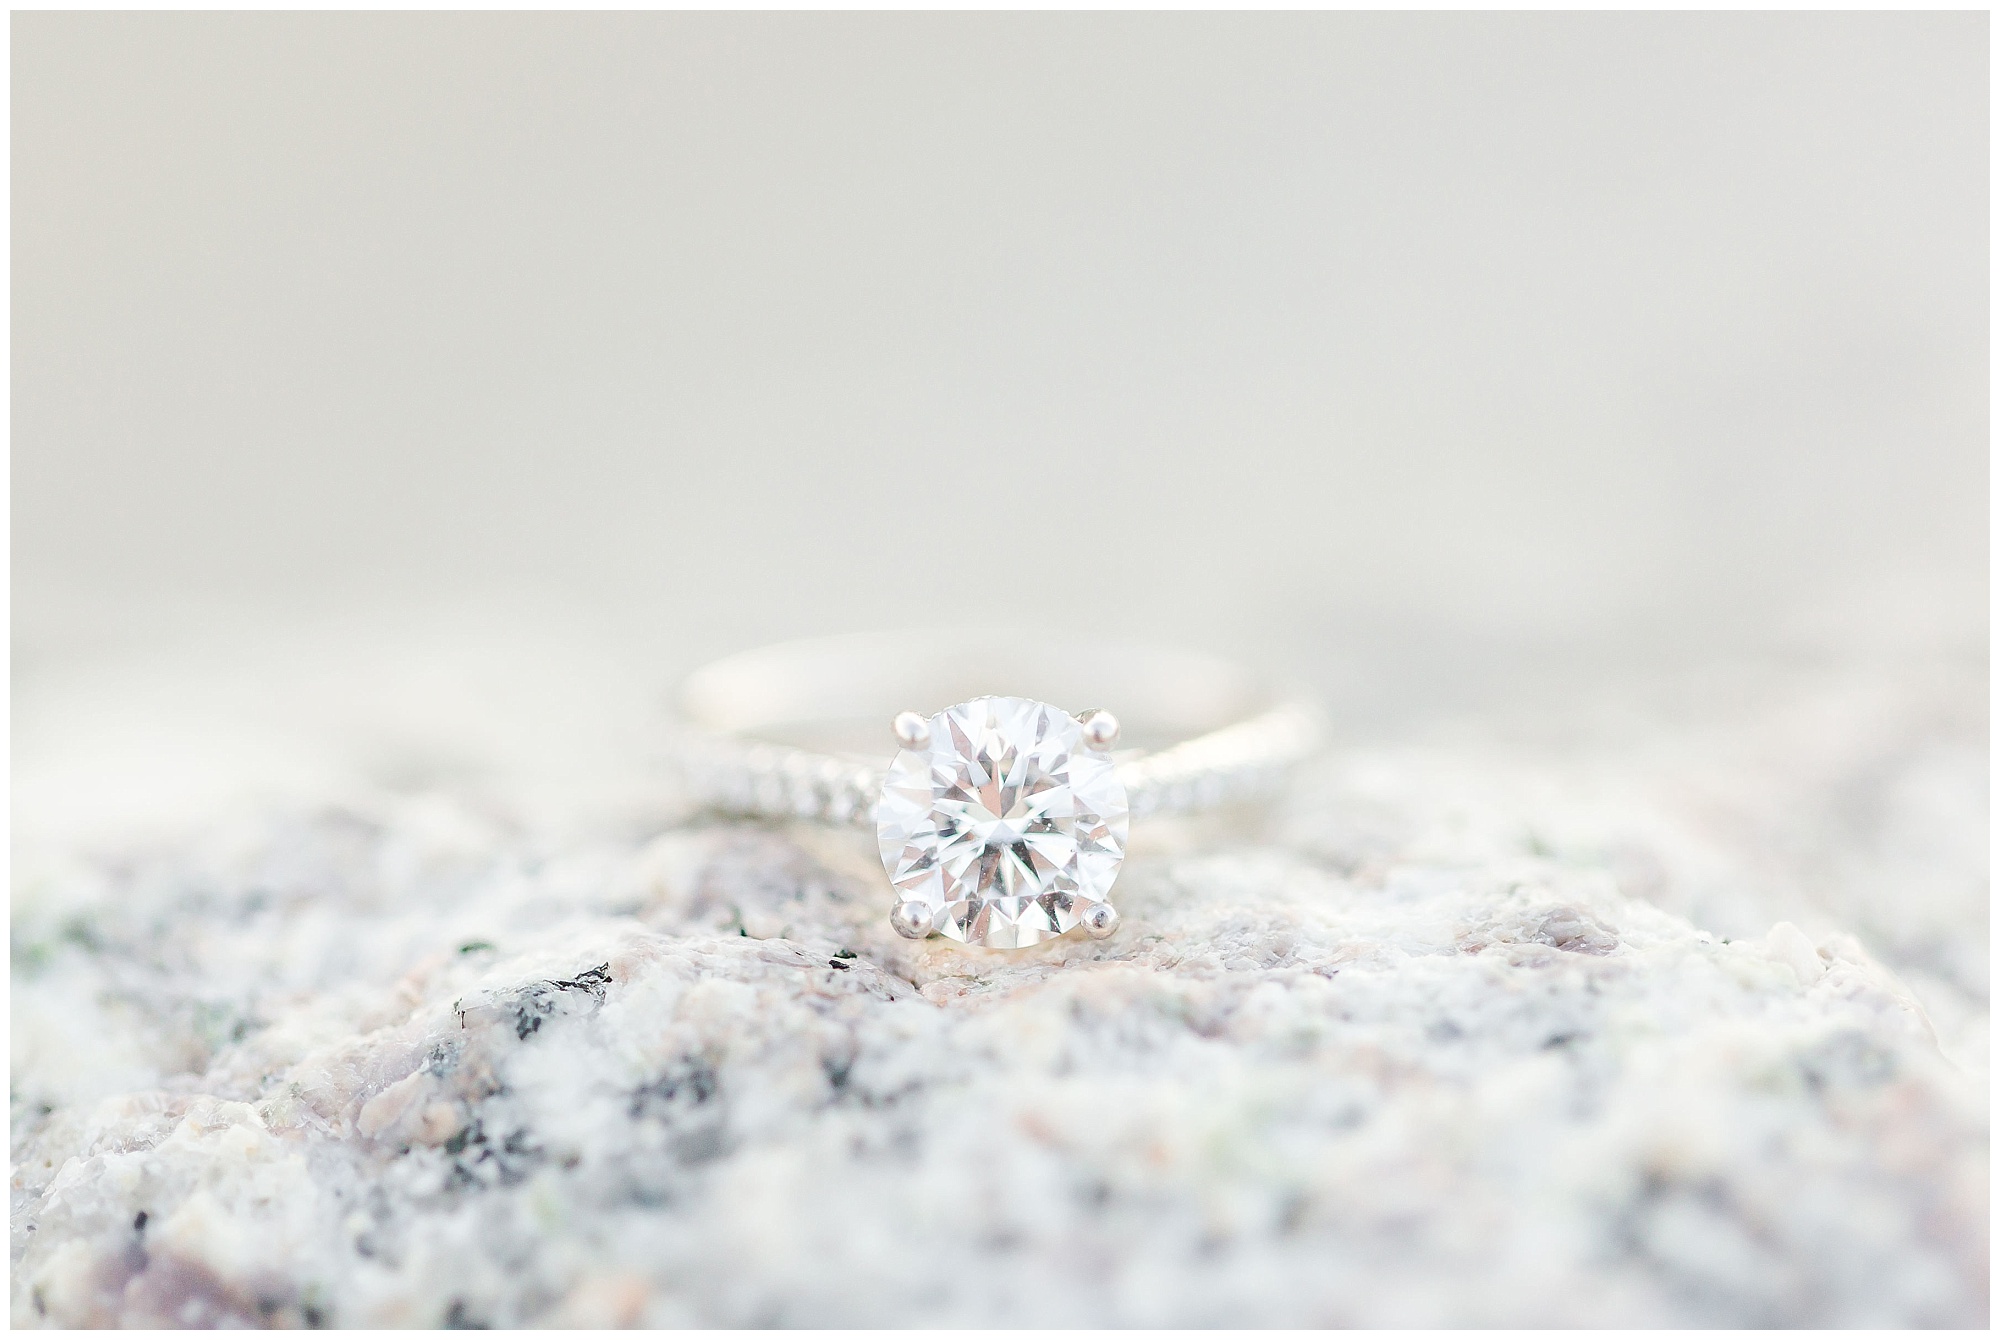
point(1002, 819)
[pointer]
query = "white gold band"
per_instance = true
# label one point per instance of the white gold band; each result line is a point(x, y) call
point(799, 730)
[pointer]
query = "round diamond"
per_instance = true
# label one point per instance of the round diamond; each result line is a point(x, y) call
point(1005, 824)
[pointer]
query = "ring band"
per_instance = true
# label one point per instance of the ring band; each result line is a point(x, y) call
point(1002, 818)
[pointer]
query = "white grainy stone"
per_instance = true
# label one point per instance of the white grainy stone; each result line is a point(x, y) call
point(1460, 1039)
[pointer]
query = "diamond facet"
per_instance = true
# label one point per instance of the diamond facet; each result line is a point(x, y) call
point(1006, 822)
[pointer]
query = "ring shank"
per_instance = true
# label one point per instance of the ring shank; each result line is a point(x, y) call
point(798, 730)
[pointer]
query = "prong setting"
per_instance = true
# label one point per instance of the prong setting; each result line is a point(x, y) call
point(912, 731)
point(913, 920)
point(1001, 772)
point(1100, 729)
point(1100, 921)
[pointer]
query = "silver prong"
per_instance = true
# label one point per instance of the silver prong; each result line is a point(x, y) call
point(1100, 729)
point(1101, 920)
point(913, 920)
point(912, 731)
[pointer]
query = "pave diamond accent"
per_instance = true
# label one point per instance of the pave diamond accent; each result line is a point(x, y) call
point(1005, 824)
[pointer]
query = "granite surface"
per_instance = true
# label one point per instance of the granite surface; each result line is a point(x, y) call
point(1674, 1015)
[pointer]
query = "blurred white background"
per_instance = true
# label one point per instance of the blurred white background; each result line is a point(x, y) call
point(1474, 354)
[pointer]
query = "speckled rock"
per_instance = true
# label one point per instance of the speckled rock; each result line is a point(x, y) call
point(1450, 1041)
